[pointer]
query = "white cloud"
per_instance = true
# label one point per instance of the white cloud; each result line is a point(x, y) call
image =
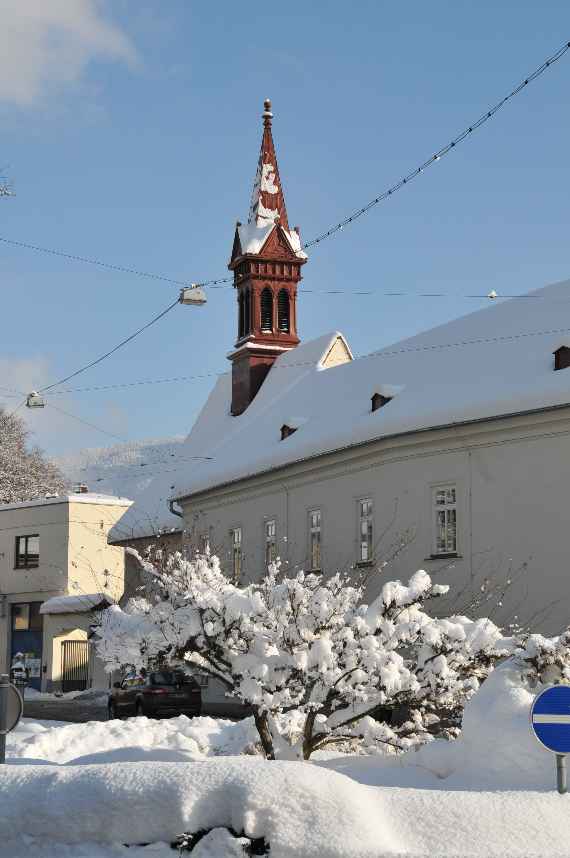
point(47, 45)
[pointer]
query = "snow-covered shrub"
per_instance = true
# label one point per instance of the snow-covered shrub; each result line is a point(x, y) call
point(307, 654)
point(545, 660)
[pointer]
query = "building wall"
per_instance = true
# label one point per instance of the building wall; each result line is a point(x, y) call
point(74, 559)
point(512, 477)
point(94, 565)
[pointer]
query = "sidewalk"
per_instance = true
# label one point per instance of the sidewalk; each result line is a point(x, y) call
point(61, 709)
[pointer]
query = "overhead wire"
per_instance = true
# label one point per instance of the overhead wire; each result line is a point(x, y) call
point(87, 423)
point(378, 353)
point(113, 350)
point(355, 215)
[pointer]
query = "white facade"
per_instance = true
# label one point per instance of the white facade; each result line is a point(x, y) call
point(455, 443)
point(54, 547)
point(511, 478)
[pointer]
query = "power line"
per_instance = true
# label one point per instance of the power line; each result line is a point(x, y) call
point(355, 215)
point(87, 423)
point(113, 350)
point(505, 338)
point(459, 138)
point(492, 296)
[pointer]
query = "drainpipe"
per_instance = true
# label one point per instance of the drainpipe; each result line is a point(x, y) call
point(174, 511)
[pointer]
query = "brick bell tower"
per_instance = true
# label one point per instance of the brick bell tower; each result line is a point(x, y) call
point(266, 261)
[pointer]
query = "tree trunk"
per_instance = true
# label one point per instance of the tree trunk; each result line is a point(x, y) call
point(262, 725)
point(308, 734)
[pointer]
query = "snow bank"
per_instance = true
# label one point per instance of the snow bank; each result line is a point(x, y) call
point(174, 739)
point(300, 809)
point(489, 793)
point(317, 813)
point(496, 748)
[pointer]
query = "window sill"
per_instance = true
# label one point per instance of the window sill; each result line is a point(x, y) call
point(27, 568)
point(364, 564)
point(450, 556)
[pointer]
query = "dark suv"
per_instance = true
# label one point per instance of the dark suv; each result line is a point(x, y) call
point(163, 693)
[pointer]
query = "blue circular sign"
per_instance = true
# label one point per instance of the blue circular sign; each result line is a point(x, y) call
point(550, 718)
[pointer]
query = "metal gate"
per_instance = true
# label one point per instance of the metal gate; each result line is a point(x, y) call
point(74, 665)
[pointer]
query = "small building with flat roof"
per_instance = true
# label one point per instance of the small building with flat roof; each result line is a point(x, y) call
point(57, 571)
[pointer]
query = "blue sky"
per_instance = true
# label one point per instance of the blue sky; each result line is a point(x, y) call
point(131, 134)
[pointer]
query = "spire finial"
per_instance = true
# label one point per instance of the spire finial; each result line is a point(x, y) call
point(267, 114)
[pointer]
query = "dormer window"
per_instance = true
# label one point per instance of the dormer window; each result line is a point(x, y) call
point(562, 357)
point(378, 400)
point(287, 430)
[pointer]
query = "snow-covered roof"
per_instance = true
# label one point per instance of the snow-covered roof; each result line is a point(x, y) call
point(83, 497)
point(481, 365)
point(141, 470)
point(492, 362)
point(80, 604)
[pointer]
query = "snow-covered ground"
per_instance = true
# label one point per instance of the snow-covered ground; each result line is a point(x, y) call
point(84, 790)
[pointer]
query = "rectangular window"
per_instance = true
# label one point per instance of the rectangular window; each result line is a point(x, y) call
point(235, 536)
point(365, 530)
point(445, 520)
point(315, 540)
point(26, 617)
point(27, 551)
point(270, 542)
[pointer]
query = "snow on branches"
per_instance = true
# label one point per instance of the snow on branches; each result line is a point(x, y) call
point(24, 473)
point(306, 650)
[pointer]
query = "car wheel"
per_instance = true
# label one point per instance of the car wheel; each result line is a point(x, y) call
point(139, 709)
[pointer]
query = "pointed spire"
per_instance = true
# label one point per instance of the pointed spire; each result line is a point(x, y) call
point(267, 200)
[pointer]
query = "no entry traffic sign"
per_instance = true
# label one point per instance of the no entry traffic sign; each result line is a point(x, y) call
point(550, 721)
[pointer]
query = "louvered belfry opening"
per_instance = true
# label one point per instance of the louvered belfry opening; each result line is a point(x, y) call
point(283, 311)
point(266, 310)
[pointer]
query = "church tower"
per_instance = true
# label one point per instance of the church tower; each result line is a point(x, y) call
point(266, 261)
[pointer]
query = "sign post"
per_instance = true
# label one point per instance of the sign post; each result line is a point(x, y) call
point(550, 722)
point(11, 709)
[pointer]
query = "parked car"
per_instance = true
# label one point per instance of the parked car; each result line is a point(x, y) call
point(162, 693)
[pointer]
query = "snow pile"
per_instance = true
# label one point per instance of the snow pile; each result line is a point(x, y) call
point(497, 748)
point(489, 793)
point(300, 809)
point(317, 813)
point(174, 739)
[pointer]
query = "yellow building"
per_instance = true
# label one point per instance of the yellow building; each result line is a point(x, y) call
point(56, 571)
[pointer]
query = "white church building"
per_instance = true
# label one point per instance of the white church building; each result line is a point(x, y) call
point(449, 451)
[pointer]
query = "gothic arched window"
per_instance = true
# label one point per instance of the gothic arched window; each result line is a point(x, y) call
point(283, 311)
point(266, 310)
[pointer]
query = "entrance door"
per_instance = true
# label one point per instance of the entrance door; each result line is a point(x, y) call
point(26, 646)
point(74, 665)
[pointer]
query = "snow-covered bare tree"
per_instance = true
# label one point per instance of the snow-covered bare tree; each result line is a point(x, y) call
point(310, 658)
point(24, 471)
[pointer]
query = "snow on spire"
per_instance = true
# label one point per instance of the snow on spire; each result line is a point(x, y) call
point(267, 200)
